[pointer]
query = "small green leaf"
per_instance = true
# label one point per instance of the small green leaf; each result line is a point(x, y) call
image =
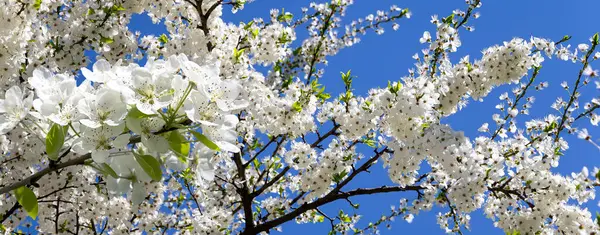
point(163, 38)
point(107, 170)
point(237, 54)
point(249, 25)
point(136, 113)
point(557, 151)
point(514, 232)
point(285, 17)
point(150, 165)
point(27, 200)
point(179, 144)
point(296, 106)
point(106, 40)
point(55, 140)
point(369, 142)
point(550, 127)
point(337, 177)
point(254, 33)
point(117, 7)
point(319, 218)
point(202, 138)
point(344, 217)
point(394, 87)
point(37, 4)
point(297, 51)
point(449, 19)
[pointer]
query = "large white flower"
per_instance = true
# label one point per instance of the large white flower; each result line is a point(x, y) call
point(199, 109)
point(52, 88)
point(223, 133)
point(99, 141)
point(57, 96)
point(13, 108)
point(127, 169)
point(152, 91)
point(205, 168)
point(224, 93)
point(106, 107)
point(146, 127)
point(102, 72)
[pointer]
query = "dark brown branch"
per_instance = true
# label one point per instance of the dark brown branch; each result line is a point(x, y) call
point(325, 200)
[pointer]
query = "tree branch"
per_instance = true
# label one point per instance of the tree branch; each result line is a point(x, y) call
point(325, 200)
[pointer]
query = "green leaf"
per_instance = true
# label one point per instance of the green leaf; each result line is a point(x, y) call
point(118, 7)
point(202, 138)
point(319, 218)
point(344, 217)
point(449, 19)
point(297, 51)
point(337, 177)
point(163, 38)
point(237, 54)
point(514, 232)
point(285, 17)
point(255, 144)
point(37, 4)
point(107, 170)
point(179, 145)
point(106, 40)
point(27, 200)
point(551, 127)
point(286, 83)
point(55, 140)
point(369, 142)
point(394, 87)
point(150, 165)
point(103, 168)
point(296, 106)
point(248, 25)
point(347, 78)
point(557, 151)
point(136, 113)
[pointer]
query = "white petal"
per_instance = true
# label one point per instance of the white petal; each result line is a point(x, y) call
point(121, 141)
point(139, 194)
point(172, 162)
point(100, 156)
point(101, 66)
point(90, 123)
point(6, 125)
point(226, 146)
point(89, 75)
point(155, 143)
point(134, 124)
point(13, 97)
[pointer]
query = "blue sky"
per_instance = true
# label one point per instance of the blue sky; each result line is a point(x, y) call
point(378, 59)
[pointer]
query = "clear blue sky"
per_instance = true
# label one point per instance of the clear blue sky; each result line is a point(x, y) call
point(378, 59)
